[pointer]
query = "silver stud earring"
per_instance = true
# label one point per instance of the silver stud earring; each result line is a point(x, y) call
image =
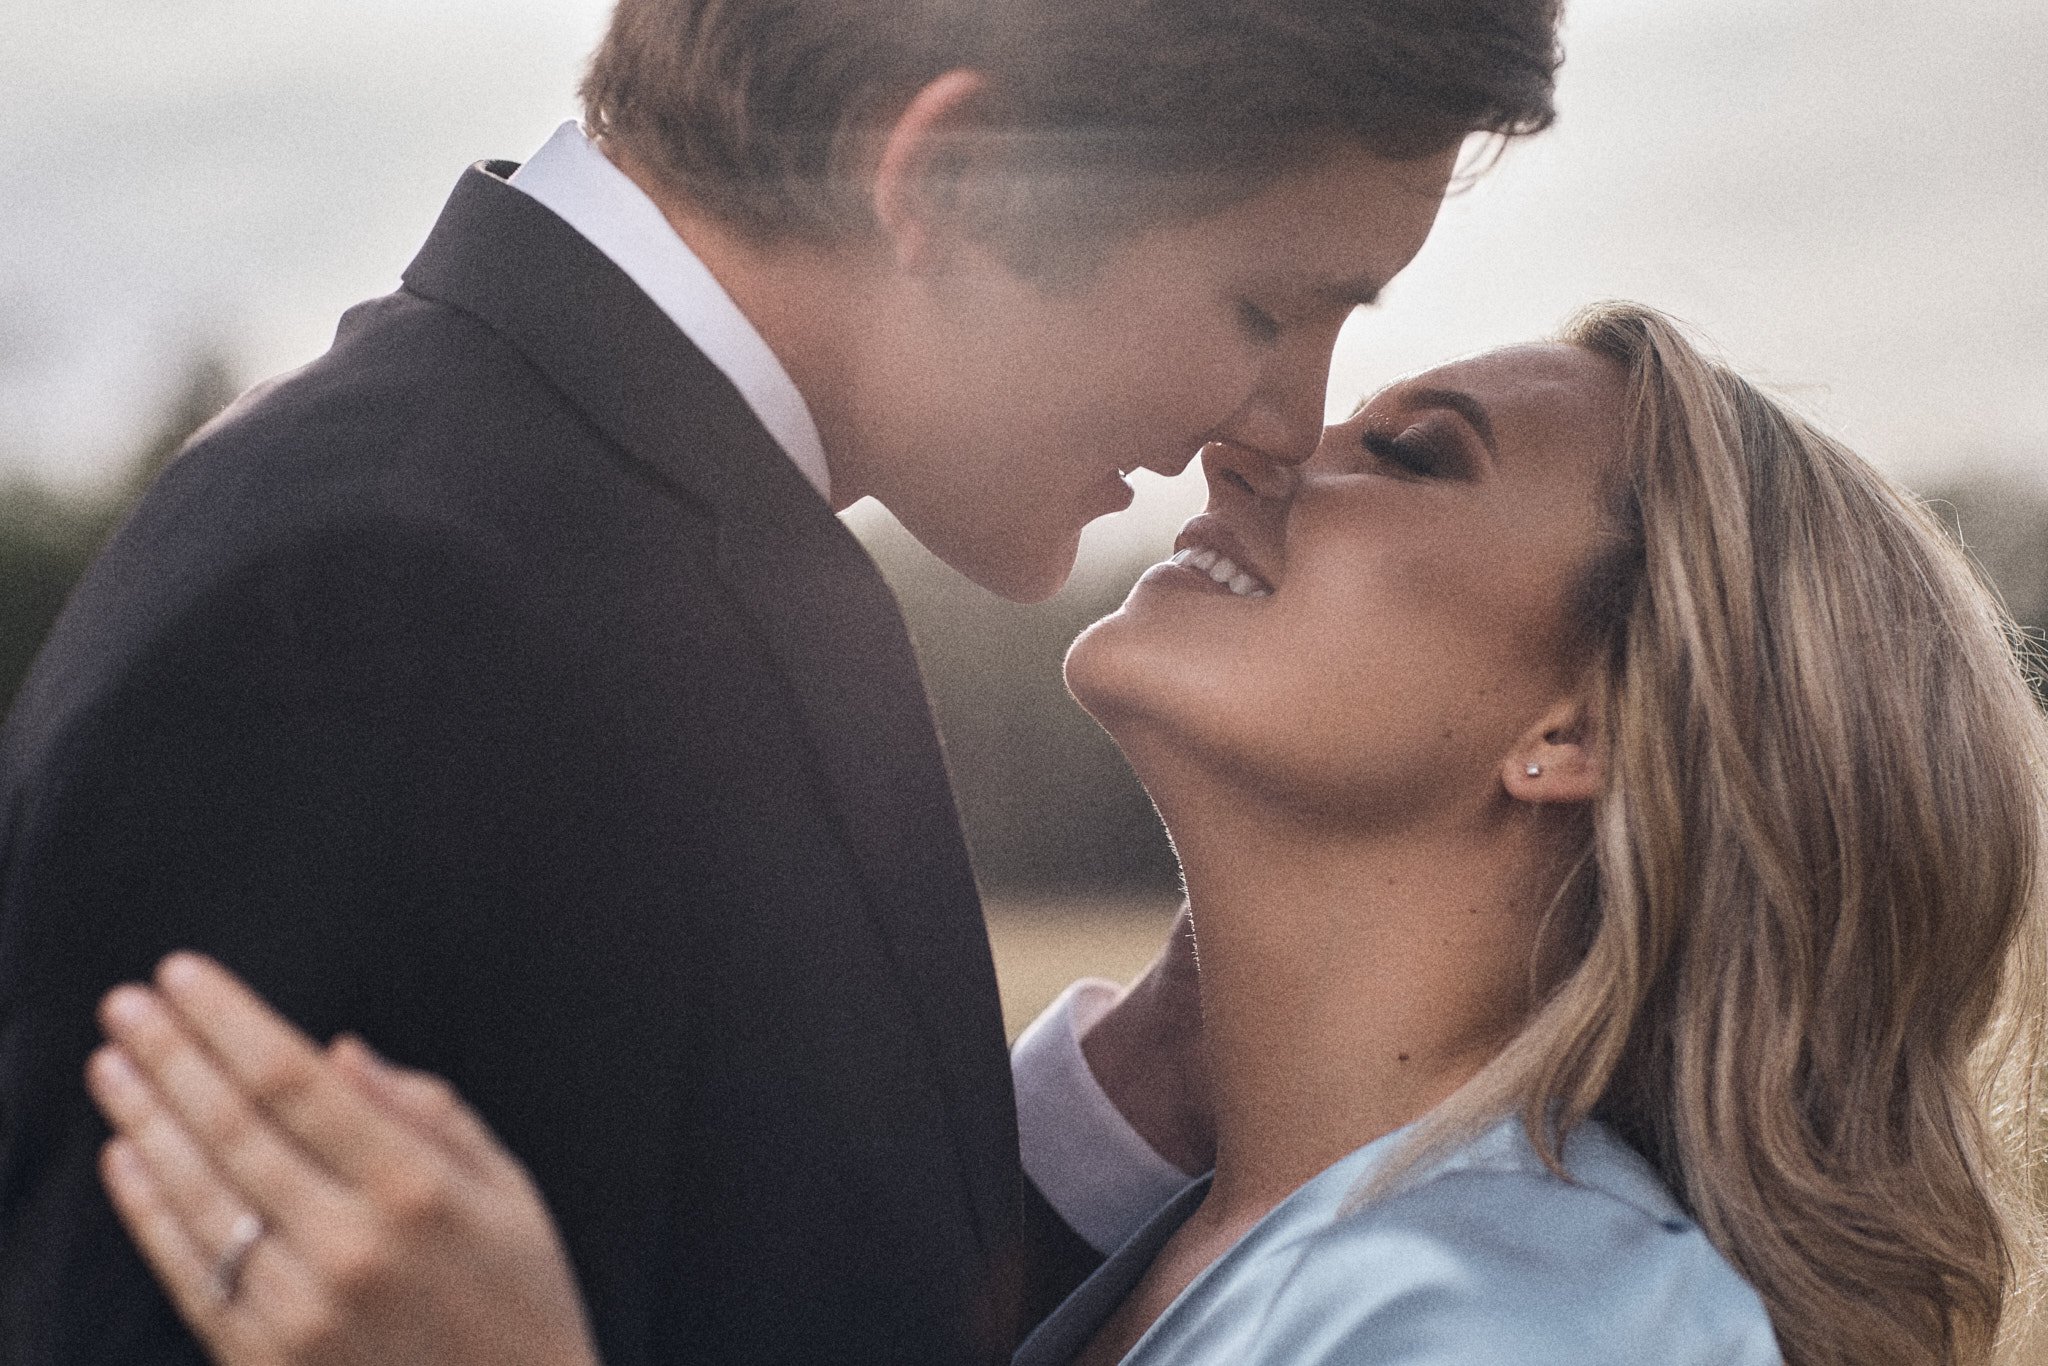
point(1534, 770)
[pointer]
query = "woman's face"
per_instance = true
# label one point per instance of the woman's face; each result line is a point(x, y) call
point(1399, 618)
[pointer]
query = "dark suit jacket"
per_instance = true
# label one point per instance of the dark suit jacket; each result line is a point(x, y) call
point(496, 687)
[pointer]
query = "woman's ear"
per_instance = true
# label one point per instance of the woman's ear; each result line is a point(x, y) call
point(1558, 760)
point(922, 163)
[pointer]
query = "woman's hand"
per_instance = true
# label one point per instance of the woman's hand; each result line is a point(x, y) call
point(310, 1208)
point(1150, 1057)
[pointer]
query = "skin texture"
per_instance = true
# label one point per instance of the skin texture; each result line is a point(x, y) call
point(395, 1226)
point(1345, 768)
point(1345, 765)
point(1250, 684)
point(1148, 1056)
point(992, 414)
point(996, 417)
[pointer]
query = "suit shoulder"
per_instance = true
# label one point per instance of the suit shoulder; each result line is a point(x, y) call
point(407, 382)
point(421, 424)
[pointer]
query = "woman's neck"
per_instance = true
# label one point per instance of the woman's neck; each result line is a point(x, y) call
point(1350, 981)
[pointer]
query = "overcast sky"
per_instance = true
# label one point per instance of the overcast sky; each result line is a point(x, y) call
point(1850, 196)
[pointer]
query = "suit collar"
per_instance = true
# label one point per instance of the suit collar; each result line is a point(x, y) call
point(815, 597)
point(1066, 1332)
point(506, 259)
point(582, 187)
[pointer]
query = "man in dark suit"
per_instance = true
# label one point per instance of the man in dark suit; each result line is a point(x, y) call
point(503, 686)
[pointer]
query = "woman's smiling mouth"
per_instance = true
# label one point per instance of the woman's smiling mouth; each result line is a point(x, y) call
point(1222, 570)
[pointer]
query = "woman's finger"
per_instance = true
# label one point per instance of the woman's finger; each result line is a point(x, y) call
point(186, 1182)
point(186, 1271)
point(425, 1101)
point(160, 1079)
point(282, 1074)
point(233, 1274)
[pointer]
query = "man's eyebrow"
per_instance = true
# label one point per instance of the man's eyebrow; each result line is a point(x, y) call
point(1461, 403)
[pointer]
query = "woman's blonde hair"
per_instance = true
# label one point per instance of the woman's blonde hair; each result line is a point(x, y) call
point(1803, 958)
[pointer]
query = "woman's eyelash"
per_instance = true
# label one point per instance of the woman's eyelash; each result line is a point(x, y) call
point(1413, 457)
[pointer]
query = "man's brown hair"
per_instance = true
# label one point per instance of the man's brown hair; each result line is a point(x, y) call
point(1106, 114)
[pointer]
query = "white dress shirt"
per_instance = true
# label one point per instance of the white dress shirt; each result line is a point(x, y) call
point(1079, 1150)
point(586, 191)
point(1101, 1175)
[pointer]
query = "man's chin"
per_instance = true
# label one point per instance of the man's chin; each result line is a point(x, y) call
point(1023, 578)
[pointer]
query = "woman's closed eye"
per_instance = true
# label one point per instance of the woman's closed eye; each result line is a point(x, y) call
point(1415, 453)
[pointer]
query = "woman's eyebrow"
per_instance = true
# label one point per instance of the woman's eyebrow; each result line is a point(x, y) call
point(1464, 405)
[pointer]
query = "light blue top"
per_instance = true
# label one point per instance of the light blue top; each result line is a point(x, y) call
point(1482, 1256)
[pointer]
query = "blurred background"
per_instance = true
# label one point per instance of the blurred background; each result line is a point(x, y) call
point(1846, 195)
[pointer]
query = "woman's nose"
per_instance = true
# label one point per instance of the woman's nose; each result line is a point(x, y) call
point(1232, 464)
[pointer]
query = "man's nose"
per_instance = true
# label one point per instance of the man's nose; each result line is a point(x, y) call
point(1268, 479)
point(1283, 420)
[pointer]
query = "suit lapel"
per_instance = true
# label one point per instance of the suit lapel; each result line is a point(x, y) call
point(816, 597)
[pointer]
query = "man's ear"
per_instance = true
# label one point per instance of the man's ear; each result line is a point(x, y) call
point(921, 166)
point(1559, 759)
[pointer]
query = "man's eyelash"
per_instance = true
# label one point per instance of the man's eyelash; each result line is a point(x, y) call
point(1258, 321)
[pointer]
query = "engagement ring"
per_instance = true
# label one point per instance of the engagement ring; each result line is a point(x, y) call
point(242, 1239)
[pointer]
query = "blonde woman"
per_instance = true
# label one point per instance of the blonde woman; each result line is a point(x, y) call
point(1612, 817)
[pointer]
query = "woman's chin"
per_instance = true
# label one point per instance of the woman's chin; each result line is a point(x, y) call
point(1148, 674)
point(1099, 669)
point(1121, 674)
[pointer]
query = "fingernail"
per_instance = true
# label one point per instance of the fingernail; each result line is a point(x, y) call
point(113, 1072)
point(180, 971)
point(361, 1052)
point(128, 1006)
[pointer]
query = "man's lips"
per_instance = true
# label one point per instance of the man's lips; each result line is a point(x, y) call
point(1167, 467)
point(1115, 495)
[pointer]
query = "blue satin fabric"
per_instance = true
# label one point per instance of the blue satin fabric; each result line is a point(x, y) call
point(1483, 1257)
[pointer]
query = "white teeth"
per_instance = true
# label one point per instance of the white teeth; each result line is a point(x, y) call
point(1223, 570)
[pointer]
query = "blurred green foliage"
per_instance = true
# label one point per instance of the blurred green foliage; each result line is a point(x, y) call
point(46, 540)
point(1047, 801)
point(45, 544)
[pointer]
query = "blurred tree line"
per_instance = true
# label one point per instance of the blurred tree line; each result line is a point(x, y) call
point(47, 540)
point(1048, 802)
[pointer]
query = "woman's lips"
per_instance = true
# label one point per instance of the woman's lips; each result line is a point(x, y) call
point(1223, 571)
point(1205, 571)
point(1210, 544)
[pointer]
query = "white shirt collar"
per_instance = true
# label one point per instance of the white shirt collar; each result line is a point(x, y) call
point(585, 190)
